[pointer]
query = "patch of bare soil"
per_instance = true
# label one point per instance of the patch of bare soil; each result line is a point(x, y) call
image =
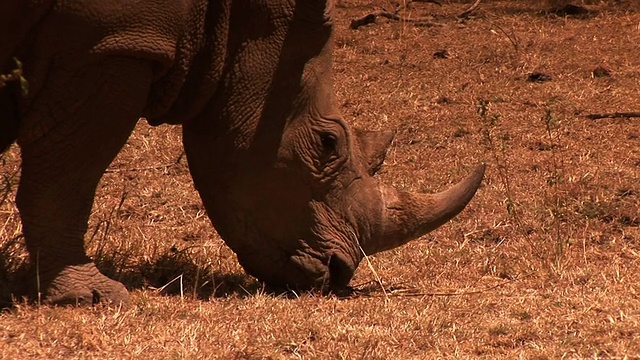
point(543, 264)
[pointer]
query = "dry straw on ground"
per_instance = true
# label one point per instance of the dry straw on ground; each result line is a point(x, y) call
point(543, 264)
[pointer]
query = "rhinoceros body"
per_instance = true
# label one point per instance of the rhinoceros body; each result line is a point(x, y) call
point(286, 182)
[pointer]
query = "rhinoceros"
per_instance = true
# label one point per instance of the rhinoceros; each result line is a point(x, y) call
point(286, 182)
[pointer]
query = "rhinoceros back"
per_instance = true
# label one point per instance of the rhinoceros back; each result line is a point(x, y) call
point(183, 40)
point(167, 33)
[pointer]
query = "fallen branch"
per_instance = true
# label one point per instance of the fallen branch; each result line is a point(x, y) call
point(405, 4)
point(390, 292)
point(465, 14)
point(146, 168)
point(367, 19)
point(371, 18)
point(613, 115)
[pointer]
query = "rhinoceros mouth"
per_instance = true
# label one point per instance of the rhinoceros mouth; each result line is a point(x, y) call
point(340, 273)
point(333, 272)
point(313, 265)
point(305, 269)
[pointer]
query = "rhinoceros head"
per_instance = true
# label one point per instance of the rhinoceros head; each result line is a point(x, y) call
point(287, 183)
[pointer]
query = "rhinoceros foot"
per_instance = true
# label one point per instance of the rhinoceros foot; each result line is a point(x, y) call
point(84, 285)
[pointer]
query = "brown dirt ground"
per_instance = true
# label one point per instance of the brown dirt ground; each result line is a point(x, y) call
point(543, 264)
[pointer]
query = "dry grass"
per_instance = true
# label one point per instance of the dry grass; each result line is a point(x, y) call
point(543, 264)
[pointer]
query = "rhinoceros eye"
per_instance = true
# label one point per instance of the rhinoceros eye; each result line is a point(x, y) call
point(328, 141)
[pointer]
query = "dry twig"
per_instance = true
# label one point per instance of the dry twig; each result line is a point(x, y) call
point(465, 14)
point(613, 115)
point(157, 167)
point(375, 274)
point(405, 4)
point(371, 18)
point(411, 292)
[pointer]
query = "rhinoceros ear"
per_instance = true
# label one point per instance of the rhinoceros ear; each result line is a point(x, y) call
point(374, 146)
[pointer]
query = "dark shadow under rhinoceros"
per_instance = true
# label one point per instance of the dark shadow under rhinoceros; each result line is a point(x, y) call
point(286, 182)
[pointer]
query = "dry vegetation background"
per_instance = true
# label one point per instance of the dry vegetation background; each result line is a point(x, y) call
point(543, 264)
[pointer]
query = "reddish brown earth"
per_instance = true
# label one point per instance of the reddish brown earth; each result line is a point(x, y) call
point(543, 264)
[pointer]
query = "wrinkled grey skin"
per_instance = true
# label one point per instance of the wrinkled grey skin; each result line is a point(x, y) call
point(286, 182)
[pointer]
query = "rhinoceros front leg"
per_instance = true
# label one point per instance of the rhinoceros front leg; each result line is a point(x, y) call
point(93, 110)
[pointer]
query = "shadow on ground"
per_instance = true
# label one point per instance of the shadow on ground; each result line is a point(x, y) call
point(170, 274)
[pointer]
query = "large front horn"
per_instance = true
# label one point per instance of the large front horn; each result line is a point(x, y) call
point(407, 216)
